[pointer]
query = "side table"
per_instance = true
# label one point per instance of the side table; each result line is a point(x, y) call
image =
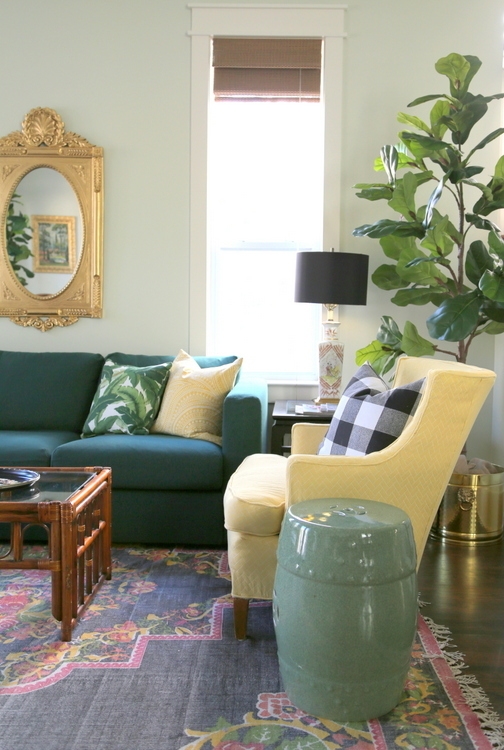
point(285, 415)
point(345, 606)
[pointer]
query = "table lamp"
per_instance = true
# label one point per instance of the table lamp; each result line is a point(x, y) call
point(331, 279)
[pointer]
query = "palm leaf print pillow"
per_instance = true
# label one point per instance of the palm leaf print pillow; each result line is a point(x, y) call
point(127, 399)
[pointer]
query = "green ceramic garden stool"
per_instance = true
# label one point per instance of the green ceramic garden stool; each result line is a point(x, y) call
point(345, 607)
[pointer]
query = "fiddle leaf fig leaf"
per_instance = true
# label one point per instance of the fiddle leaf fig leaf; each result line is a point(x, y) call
point(455, 318)
point(499, 167)
point(485, 189)
point(418, 296)
point(389, 363)
point(393, 246)
point(494, 96)
point(465, 119)
point(455, 66)
point(371, 353)
point(386, 226)
point(464, 174)
point(477, 261)
point(423, 99)
point(492, 286)
point(490, 137)
point(386, 277)
point(424, 176)
point(479, 223)
point(460, 69)
point(437, 238)
point(403, 198)
point(496, 246)
point(434, 198)
point(415, 121)
point(493, 310)
point(493, 328)
point(417, 268)
point(449, 228)
point(389, 159)
point(374, 192)
point(427, 143)
point(388, 332)
point(405, 160)
point(440, 110)
point(415, 345)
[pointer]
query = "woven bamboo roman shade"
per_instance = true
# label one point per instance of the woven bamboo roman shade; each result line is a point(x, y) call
point(267, 68)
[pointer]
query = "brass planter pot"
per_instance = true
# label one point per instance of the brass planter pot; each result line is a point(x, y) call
point(472, 509)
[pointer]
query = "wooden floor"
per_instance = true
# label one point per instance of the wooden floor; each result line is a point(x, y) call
point(465, 589)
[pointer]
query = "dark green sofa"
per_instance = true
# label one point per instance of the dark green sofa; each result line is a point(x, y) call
point(166, 489)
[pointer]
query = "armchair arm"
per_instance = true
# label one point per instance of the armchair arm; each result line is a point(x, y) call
point(362, 477)
point(383, 476)
point(307, 436)
point(244, 422)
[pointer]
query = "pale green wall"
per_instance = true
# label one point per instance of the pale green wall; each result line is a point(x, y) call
point(118, 72)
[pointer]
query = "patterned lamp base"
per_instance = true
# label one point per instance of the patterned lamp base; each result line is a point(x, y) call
point(330, 371)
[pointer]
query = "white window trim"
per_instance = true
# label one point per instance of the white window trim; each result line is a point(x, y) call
point(207, 21)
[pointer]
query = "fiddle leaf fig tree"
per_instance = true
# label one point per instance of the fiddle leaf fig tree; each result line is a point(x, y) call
point(442, 248)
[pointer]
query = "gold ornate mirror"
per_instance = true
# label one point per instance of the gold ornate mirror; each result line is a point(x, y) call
point(51, 224)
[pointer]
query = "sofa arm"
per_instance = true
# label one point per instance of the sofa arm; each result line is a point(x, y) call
point(244, 422)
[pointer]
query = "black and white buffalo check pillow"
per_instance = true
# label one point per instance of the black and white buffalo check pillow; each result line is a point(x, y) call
point(370, 415)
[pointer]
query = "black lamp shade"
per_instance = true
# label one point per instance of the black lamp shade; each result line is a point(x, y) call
point(331, 278)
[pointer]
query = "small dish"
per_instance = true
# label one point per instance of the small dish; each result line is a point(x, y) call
point(11, 479)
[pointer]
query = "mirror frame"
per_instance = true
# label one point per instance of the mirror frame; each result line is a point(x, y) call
point(43, 142)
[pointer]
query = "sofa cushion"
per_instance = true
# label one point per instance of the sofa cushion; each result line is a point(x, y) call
point(47, 390)
point(156, 462)
point(193, 399)
point(254, 501)
point(143, 360)
point(25, 448)
point(127, 399)
point(369, 416)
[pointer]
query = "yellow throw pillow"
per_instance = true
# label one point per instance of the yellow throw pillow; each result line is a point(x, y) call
point(193, 399)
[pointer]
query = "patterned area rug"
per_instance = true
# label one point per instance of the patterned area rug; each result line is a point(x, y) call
point(154, 665)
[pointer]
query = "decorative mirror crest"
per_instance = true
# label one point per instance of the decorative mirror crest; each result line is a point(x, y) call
point(51, 235)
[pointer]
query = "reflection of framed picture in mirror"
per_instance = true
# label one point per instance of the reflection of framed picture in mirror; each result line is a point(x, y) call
point(53, 244)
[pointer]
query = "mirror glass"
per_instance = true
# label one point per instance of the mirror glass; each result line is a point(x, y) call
point(44, 231)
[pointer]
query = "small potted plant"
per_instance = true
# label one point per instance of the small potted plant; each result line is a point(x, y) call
point(442, 247)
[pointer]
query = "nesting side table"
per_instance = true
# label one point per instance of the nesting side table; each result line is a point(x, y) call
point(285, 415)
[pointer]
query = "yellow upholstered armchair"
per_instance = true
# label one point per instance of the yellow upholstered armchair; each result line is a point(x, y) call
point(411, 473)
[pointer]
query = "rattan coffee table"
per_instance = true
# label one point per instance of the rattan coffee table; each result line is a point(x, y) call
point(74, 507)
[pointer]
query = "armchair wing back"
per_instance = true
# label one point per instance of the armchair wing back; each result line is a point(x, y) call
point(411, 473)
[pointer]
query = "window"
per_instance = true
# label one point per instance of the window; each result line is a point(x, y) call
point(264, 202)
point(208, 23)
